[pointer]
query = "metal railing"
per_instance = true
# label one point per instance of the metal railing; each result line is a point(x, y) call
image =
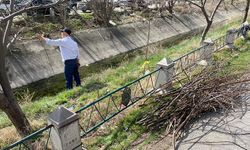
point(188, 60)
point(220, 42)
point(30, 142)
point(96, 113)
point(103, 109)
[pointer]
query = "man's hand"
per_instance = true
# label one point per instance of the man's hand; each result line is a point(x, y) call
point(78, 62)
point(40, 37)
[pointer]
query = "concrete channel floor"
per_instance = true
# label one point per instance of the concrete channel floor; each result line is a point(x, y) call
point(220, 131)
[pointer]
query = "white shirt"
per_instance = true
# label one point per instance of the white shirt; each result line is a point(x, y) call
point(68, 47)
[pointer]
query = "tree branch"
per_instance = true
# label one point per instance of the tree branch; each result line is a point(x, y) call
point(193, 3)
point(5, 19)
point(216, 8)
point(2, 15)
point(204, 3)
point(79, 16)
point(9, 23)
point(7, 9)
point(14, 38)
point(203, 9)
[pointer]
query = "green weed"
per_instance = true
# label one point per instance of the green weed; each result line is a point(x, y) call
point(126, 132)
point(87, 16)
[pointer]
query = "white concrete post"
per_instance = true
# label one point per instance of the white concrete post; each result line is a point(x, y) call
point(230, 38)
point(52, 13)
point(207, 51)
point(165, 74)
point(65, 134)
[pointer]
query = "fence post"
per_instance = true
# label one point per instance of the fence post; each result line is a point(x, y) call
point(230, 37)
point(65, 133)
point(165, 75)
point(207, 50)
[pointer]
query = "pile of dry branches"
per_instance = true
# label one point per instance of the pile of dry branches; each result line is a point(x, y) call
point(209, 91)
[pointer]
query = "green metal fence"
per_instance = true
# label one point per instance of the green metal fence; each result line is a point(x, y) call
point(102, 110)
point(220, 42)
point(98, 112)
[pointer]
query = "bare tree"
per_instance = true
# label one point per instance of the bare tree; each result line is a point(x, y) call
point(209, 18)
point(103, 10)
point(8, 102)
point(170, 5)
point(62, 9)
point(167, 5)
point(246, 11)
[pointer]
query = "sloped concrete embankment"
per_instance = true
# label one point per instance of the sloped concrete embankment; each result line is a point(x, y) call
point(33, 60)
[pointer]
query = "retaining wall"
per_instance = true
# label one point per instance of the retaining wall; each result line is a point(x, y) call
point(31, 61)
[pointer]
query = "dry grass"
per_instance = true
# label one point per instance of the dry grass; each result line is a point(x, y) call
point(10, 135)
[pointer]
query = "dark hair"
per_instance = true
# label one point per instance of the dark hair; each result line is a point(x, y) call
point(67, 30)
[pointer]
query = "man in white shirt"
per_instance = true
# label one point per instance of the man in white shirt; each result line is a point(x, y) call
point(70, 56)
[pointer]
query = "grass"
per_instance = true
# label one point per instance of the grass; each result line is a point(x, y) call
point(75, 24)
point(237, 61)
point(87, 16)
point(108, 80)
point(36, 27)
point(115, 138)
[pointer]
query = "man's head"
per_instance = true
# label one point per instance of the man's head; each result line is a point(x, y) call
point(65, 32)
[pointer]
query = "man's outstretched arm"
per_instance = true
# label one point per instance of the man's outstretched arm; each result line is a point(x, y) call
point(48, 41)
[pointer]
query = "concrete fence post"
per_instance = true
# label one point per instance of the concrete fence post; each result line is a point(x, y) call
point(207, 51)
point(230, 37)
point(165, 75)
point(65, 133)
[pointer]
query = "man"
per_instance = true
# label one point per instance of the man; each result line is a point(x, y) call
point(70, 56)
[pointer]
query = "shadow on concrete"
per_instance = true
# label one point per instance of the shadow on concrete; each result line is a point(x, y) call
point(219, 130)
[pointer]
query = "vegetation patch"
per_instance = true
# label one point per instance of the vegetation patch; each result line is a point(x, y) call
point(120, 137)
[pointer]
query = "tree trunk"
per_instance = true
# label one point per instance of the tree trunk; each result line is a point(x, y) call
point(63, 14)
point(15, 114)
point(246, 11)
point(205, 31)
point(8, 101)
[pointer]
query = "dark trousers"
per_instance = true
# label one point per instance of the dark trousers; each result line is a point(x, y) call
point(71, 72)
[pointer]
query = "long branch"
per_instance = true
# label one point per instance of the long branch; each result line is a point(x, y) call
point(14, 38)
point(9, 23)
point(216, 8)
